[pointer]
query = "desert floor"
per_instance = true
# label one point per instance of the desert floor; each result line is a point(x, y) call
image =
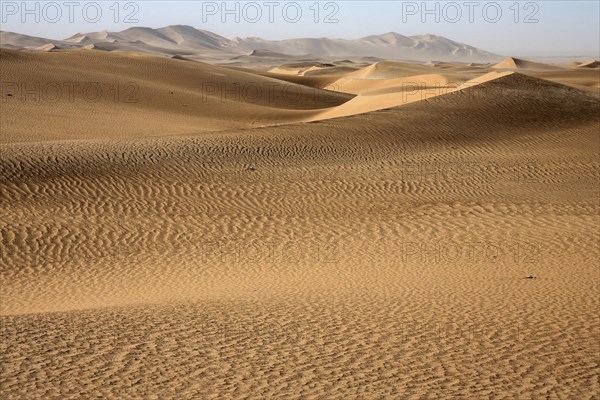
point(172, 229)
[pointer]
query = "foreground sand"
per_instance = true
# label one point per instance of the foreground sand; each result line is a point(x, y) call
point(380, 255)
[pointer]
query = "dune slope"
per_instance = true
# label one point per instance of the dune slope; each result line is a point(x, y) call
point(92, 95)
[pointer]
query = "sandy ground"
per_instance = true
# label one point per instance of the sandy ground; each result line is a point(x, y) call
point(156, 251)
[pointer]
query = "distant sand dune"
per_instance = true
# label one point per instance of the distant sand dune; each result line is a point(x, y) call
point(517, 63)
point(380, 94)
point(589, 64)
point(208, 46)
point(121, 95)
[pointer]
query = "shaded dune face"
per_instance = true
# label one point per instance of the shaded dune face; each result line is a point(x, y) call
point(120, 96)
point(381, 254)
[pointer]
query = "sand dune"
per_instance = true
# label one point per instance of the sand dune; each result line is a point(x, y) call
point(517, 63)
point(589, 64)
point(17, 40)
point(377, 94)
point(358, 85)
point(388, 45)
point(585, 78)
point(145, 96)
point(204, 45)
point(120, 96)
point(309, 68)
point(152, 250)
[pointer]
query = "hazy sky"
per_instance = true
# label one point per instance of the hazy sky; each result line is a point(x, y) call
point(539, 28)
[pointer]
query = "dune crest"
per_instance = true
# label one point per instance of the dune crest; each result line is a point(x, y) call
point(128, 95)
point(517, 63)
point(589, 64)
point(204, 45)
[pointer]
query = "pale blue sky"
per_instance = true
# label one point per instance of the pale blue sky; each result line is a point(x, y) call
point(569, 28)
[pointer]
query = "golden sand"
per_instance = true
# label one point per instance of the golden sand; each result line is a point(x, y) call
point(186, 246)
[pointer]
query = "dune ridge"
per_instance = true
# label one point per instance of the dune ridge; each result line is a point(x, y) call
point(142, 96)
point(205, 45)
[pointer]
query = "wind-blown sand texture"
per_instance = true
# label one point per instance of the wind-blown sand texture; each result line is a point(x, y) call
point(232, 249)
